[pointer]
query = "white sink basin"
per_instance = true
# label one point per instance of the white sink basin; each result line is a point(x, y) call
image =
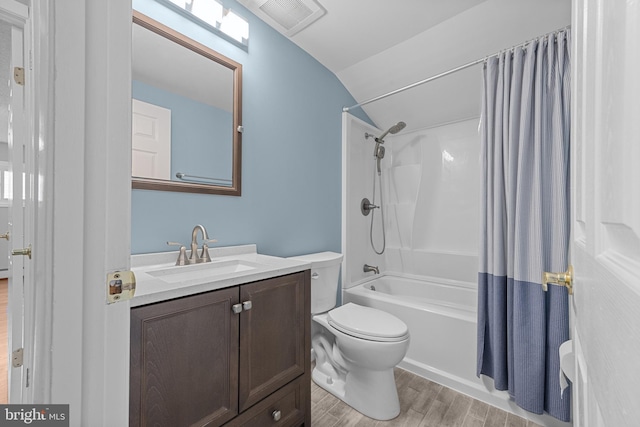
point(159, 279)
point(184, 273)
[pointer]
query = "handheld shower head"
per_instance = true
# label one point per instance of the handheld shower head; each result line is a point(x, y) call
point(392, 130)
point(378, 151)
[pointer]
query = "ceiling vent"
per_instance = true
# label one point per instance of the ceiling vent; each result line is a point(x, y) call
point(286, 16)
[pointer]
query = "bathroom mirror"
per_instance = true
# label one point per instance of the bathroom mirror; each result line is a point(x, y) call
point(187, 110)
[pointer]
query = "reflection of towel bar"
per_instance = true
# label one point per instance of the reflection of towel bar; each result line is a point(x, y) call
point(186, 177)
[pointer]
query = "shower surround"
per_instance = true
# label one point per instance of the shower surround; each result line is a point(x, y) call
point(430, 180)
point(429, 269)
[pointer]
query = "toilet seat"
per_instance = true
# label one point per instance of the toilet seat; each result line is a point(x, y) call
point(367, 323)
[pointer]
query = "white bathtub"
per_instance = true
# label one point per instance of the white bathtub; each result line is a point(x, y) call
point(441, 316)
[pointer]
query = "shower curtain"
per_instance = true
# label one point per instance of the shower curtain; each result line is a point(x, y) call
point(525, 222)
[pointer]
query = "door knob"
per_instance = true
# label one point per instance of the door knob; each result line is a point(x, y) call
point(23, 251)
point(561, 279)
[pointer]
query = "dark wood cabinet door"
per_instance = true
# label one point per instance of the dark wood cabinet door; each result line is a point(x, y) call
point(184, 361)
point(273, 350)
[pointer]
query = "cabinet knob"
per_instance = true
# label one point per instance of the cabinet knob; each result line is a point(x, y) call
point(236, 308)
point(276, 415)
point(247, 305)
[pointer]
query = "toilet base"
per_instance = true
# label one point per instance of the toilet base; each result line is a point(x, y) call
point(333, 385)
point(356, 391)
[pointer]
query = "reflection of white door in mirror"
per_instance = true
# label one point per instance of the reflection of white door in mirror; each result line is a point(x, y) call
point(151, 141)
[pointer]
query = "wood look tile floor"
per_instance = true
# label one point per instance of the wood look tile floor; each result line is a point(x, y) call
point(423, 403)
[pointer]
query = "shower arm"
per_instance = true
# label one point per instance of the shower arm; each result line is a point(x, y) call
point(380, 139)
point(393, 130)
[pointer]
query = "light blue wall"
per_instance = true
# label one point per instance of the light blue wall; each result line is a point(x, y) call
point(291, 159)
point(200, 133)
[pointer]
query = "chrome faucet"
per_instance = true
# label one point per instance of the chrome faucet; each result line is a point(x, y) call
point(367, 268)
point(204, 254)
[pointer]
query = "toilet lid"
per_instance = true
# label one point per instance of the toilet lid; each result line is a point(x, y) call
point(367, 323)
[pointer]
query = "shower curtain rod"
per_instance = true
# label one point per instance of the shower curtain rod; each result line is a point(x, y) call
point(453, 70)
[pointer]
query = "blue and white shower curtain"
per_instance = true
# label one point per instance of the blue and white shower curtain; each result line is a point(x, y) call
point(525, 222)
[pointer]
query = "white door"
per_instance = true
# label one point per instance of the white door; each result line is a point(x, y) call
point(150, 141)
point(13, 17)
point(606, 212)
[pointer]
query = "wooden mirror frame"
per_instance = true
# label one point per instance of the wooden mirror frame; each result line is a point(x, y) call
point(192, 187)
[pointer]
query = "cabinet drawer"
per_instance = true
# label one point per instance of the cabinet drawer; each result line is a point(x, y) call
point(288, 402)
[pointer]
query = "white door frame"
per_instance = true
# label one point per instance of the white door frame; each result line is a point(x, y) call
point(82, 113)
point(19, 213)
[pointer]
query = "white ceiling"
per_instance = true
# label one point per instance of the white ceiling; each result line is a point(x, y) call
point(376, 46)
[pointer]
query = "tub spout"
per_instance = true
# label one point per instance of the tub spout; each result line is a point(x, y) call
point(367, 268)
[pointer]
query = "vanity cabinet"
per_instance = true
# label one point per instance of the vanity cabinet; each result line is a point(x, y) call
point(235, 356)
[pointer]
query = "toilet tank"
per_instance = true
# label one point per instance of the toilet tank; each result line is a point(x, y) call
point(325, 268)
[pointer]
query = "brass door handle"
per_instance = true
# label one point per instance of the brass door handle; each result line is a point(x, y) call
point(5, 236)
point(23, 251)
point(561, 279)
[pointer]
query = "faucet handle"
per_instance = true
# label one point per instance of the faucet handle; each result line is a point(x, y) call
point(182, 256)
point(204, 254)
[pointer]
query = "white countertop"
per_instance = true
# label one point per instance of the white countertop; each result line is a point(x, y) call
point(151, 287)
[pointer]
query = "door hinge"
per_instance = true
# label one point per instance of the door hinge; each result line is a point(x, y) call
point(16, 358)
point(18, 75)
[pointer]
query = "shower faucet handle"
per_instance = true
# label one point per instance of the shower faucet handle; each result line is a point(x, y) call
point(366, 206)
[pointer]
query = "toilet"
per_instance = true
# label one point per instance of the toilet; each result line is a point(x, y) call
point(355, 347)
